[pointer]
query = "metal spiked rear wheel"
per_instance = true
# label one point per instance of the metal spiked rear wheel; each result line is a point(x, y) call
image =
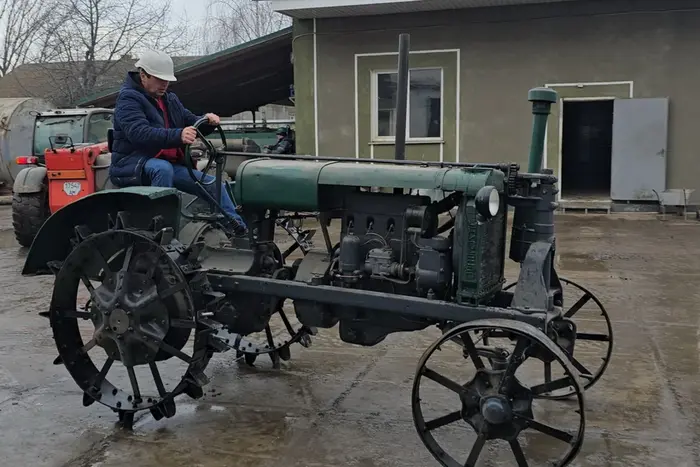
point(142, 313)
point(495, 404)
point(275, 340)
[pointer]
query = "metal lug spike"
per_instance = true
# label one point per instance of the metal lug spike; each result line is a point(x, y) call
point(194, 391)
point(45, 314)
point(156, 413)
point(164, 236)
point(82, 232)
point(126, 420)
point(276, 363)
point(157, 223)
point(123, 220)
point(218, 345)
point(198, 377)
point(55, 266)
point(167, 407)
point(285, 353)
point(88, 400)
point(58, 361)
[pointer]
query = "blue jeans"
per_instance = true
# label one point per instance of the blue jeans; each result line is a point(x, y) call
point(163, 173)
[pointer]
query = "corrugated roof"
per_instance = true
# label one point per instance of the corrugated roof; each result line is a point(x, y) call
point(231, 81)
point(305, 9)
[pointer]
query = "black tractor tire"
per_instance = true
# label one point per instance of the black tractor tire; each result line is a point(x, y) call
point(29, 212)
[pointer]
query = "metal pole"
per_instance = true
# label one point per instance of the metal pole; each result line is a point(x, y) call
point(402, 97)
point(401, 101)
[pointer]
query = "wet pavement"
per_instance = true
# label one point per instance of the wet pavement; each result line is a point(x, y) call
point(335, 404)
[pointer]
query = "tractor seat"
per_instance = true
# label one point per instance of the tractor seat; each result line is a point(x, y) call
point(101, 169)
point(103, 161)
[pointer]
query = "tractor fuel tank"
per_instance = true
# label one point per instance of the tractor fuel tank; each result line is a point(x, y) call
point(296, 185)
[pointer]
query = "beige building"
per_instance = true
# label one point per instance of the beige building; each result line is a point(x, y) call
point(627, 73)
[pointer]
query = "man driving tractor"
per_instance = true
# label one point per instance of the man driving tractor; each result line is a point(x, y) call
point(151, 127)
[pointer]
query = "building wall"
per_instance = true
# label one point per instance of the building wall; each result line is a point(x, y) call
point(491, 58)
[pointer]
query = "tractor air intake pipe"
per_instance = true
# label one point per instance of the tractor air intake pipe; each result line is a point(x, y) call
point(542, 100)
point(533, 219)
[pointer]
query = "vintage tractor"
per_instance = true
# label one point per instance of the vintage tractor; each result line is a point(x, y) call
point(157, 295)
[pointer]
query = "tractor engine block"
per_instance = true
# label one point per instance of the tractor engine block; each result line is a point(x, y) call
point(390, 240)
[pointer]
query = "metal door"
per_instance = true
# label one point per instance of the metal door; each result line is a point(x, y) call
point(640, 137)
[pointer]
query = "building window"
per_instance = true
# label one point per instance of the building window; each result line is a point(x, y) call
point(424, 106)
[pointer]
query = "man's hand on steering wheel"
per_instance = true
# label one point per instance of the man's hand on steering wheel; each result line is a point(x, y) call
point(209, 149)
point(189, 135)
point(213, 119)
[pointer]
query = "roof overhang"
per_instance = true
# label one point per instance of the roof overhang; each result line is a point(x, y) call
point(306, 9)
point(232, 81)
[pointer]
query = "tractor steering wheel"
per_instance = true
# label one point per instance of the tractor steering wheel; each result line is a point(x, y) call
point(213, 153)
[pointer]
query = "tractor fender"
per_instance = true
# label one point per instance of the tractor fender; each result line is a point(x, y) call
point(30, 180)
point(53, 241)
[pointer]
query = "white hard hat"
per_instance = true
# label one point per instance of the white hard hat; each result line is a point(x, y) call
point(158, 64)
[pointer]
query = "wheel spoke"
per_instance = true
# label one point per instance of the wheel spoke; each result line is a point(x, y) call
point(174, 352)
point(103, 264)
point(147, 298)
point(579, 366)
point(561, 435)
point(103, 373)
point(172, 290)
point(157, 379)
point(515, 360)
point(551, 386)
point(592, 337)
point(127, 258)
point(547, 372)
point(444, 420)
point(443, 380)
point(88, 285)
point(471, 350)
point(476, 450)
point(287, 324)
point(183, 324)
point(270, 338)
point(134, 383)
point(76, 314)
point(518, 453)
point(578, 305)
point(87, 347)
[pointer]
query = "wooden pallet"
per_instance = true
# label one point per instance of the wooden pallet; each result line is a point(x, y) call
point(585, 207)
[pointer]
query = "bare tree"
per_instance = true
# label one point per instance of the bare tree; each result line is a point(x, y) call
point(96, 38)
point(24, 23)
point(232, 22)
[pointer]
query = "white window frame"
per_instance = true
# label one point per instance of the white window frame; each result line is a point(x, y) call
point(375, 107)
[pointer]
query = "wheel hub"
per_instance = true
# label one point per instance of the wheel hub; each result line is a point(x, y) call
point(492, 408)
point(496, 410)
point(119, 321)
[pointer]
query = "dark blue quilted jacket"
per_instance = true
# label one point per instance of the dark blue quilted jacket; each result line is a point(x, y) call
point(139, 130)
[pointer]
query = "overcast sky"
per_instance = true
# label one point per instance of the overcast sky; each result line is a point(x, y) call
point(193, 9)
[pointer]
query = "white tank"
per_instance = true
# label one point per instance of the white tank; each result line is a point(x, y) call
point(17, 119)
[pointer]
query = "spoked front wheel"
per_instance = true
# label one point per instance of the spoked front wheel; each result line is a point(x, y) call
point(496, 403)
